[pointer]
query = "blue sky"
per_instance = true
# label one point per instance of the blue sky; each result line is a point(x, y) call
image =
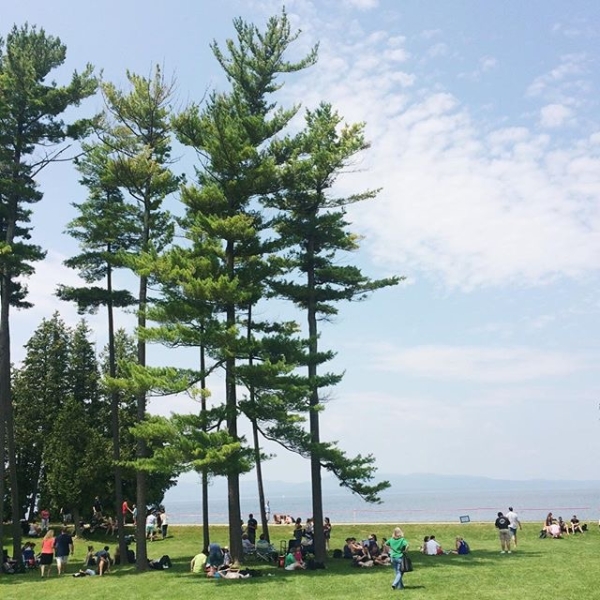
point(485, 131)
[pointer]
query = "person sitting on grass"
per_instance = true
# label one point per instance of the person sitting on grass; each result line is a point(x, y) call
point(564, 527)
point(554, 530)
point(576, 525)
point(375, 551)
point(423, 547)
point(432, 547)
point(363, 559)
point(293, 560)
point(460, 546)
point(198, 563)
point(103, 560)
point(90, 557)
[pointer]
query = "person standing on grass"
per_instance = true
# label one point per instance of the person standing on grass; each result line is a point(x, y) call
point(514, 524)
point(251, 528)
point(327, 531)
point(502, 524)
point(397, 545)
point(125, 510)
point(164, 523)
point(45, 516)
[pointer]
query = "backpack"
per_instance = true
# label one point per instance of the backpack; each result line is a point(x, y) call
point(337, 553)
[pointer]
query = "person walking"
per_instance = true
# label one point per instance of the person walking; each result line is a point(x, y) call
point(513, 524)
point(63, 548)
point(397, 545)
point(47, 554)
point(501, 525)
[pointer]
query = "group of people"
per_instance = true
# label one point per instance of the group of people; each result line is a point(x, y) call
point(432, 547)
point(217, 564)
point(507, 526)
point(96, 562)
point(60, 547)
point(157, 521)
point(555, 528)
point(366, 553)
point(304, 532)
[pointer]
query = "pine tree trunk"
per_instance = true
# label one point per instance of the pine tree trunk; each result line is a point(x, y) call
point(315, 438)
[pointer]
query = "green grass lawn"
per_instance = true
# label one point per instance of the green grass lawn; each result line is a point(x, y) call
point(540, 569)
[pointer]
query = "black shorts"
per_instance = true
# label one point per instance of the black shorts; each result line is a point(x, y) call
point(46, 559)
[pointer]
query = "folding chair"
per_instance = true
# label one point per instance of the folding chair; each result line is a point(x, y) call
point(266, 553)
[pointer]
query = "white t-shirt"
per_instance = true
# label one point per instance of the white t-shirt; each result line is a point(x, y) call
point(150, 520)
point(513, 519)
point(431, 547)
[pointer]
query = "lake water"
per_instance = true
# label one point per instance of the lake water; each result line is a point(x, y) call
point(407, 507)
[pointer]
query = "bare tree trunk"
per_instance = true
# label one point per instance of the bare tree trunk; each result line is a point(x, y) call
point(259, 480)
point(114, 417)
point(141, 478)
point(315, 438)
point(205, 521)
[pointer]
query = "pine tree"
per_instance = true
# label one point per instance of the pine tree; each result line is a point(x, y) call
point(30, 111)
point(313, 227)
point(231, 135)
point(40, 385)
point(76, 453)
point(105, 227)
point(137, 132)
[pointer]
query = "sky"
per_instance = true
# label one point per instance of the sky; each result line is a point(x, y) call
point(484, 125)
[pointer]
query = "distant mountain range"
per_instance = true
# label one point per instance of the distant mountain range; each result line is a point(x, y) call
point(415, 482)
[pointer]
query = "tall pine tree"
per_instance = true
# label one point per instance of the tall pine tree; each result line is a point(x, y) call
point(31, 134)
point(137, 133)
point(313, 227)
point(231, 135)
point(105, 226)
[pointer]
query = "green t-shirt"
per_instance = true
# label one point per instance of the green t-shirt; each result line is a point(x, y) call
point(397, 546)
point(290, 559)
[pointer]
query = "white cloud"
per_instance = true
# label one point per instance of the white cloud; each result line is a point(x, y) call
point(487, 63)
point(466, 203)
point(362, 4)
point(439, 49)
point(427, 34)
point(484, 65)
point(500, 365)
point(554, 115)
point(565, 82)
